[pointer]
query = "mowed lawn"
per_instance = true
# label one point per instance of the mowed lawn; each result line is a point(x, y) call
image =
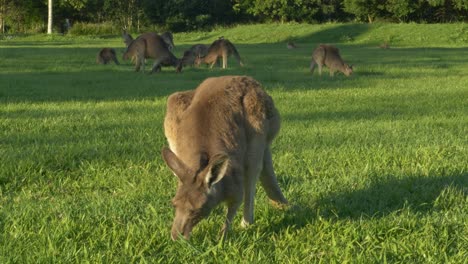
point(375, 165)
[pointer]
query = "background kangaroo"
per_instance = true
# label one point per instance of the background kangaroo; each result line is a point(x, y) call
point(221, 48)
point(166, 36)
point(196, 51)
point(384, 45)
point(329, 56)
point(106, 55)
point(219, 139)
point(291, 45)
point(151, 45)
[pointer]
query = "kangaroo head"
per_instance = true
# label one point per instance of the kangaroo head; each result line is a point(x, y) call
point(348, 69)
point(125, 56)
point(198, 61)
point(192, 202)
point(187, 58)
point(128, 53)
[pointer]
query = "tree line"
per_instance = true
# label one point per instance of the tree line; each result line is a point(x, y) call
point(30, 16)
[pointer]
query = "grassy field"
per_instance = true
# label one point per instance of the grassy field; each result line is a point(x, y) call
point(375, 165)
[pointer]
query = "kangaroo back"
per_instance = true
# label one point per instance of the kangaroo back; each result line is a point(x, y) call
point(153, 46)
point(319, 55)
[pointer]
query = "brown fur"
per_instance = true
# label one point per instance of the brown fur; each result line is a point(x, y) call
point(329, 56)
point(384, 45)
point(151, 45)
point(196, 51)
point(219, 137)
point(106, 55)
point(291, 45)
point(221, 48)
point(166, 36)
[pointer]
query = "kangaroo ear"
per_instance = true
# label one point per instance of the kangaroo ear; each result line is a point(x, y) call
point(216, 169)
point(174, 163)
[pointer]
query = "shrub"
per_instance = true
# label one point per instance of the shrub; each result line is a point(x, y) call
point(106, 28)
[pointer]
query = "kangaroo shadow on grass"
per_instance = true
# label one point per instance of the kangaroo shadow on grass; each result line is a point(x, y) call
point(341, 33)
point(371, 73)
point(421, 194)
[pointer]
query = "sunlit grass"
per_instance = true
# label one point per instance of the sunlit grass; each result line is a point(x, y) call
point(375, 165)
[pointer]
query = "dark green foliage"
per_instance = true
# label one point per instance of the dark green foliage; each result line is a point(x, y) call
point(400, 9)
point(365, 10)
point(29, 16)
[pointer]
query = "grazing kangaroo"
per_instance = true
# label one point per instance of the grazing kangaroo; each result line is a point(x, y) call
point(219, 139)
point(106, 55)
point(221, 48)
point(151, 45)
point(291, 45)
point(384, 45)
point(329, 56)
point(196, 51)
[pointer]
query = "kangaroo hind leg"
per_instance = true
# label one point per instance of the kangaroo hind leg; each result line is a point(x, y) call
point(156, 66)
point(312, 66)
point(225, 59)
point(254, 166)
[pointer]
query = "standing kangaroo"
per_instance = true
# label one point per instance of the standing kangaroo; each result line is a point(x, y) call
point(329, 56)
point(106, 55)
point(151, 45)
point(221, 48)
point(219, 139)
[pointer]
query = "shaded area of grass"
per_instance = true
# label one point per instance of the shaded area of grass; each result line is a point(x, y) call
point(67, 76)
point(386, 195)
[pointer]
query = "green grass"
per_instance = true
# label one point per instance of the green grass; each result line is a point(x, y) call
point(375, 165)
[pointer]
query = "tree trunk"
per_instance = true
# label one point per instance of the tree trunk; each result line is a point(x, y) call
point(2, 16)
point(49, 21)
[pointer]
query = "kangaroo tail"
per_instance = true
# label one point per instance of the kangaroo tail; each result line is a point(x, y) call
point(312, 65)
point(235, 52)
